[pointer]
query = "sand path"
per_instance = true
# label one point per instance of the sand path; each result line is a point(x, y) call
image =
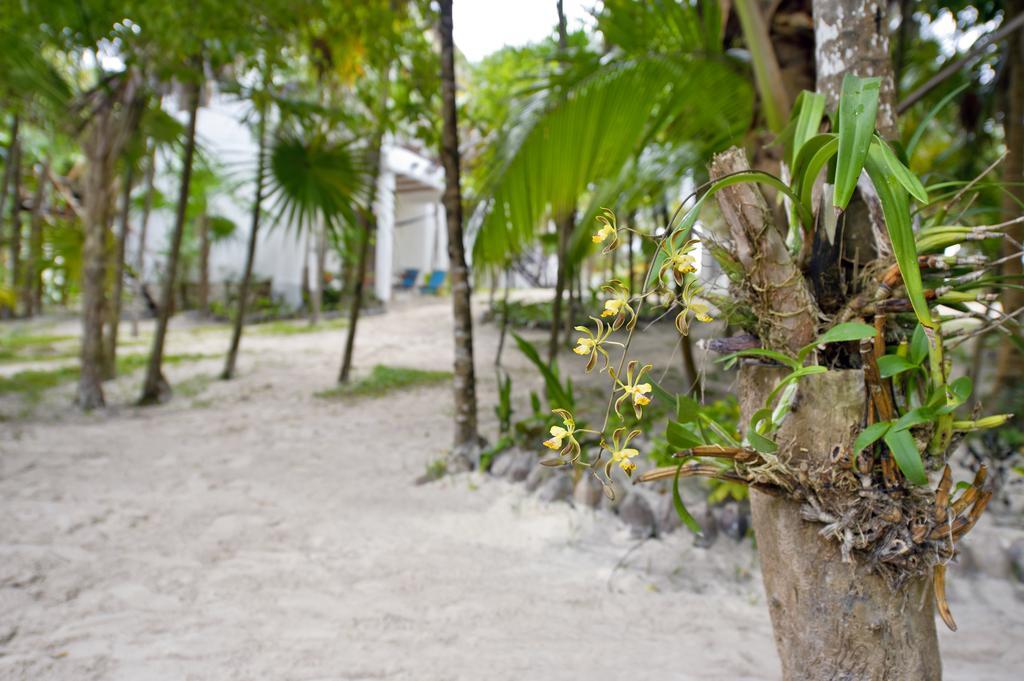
point(262, 533)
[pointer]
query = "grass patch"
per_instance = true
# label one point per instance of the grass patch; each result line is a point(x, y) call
point(383, 380)
point(31, 383)
point(285, 327)
point(22, 347)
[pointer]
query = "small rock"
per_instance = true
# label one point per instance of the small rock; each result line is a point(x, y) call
point(515, 465)
point(732, 519)
point(556, 488)
point(588, 492)
point(1016, 555)
point(709, 529)
point(665, 517)
point(537, 475)
point(637, 513)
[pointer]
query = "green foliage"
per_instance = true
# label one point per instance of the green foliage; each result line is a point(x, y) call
point(559, 396)
point(383, 380)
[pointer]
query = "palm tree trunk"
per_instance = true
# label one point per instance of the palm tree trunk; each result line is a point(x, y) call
point(14, 240)
point(367, 219)
point(155, 389)
point(9, 166)
point(140, 254)
point(110, 367)
point(32, 300)
point(321, 263)
point(467, 439)
point(203, 295)
point(368, 225)
point(564, 228)
point(250, 253)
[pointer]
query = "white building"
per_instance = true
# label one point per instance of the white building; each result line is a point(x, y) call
point(411, 230)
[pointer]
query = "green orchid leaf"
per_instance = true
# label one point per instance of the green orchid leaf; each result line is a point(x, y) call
point(858, 109)
point(908, 458)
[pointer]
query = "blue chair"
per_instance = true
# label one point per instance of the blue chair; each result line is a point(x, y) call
point(408, 280)
point(434, 283)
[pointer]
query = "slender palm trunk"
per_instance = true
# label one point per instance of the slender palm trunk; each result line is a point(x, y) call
point(14, 240)
point(155, 389)
point(467, 439)
point(250, 253)
point(321, 263)
point(140, 253)
point(110, 367)
point(564, 228)
point(9, 167)
point(31, 298)
point(203, 294)
point(367, 218)
point(368, 225)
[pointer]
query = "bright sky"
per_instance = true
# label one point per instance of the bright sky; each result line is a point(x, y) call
point(483, 26)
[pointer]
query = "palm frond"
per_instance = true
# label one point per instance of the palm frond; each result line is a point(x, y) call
point(593, 131)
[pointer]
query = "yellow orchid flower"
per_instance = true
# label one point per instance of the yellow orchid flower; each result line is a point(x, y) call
point(563, 438)
point(621, 453)
point(609, 229)
point(679, 261)
point(698, 309)
point(632, 389)
point(617, 305)
point(592, 342)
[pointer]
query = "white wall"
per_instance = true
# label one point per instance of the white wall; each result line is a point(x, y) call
point(280, 253)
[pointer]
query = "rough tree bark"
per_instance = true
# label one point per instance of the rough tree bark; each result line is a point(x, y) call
point(832, 620)
point(1010, 360)
point(155, 389)
point(467, 439)
point(104, 137)
point(250, 253)
point(30, 294)
point(117, 295)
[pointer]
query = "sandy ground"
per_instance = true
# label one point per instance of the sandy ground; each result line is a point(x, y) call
point(252, 531)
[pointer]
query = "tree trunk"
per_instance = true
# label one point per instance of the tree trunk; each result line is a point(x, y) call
point(564, 228)
point(1010, 360)
point(155, 389)
point(852, 36)
point(368, 225)
point(321, 263)
point(140, 254)
point(368, 222)
point(14, 240)
point(203, 294)
point(467, 439)
point(832, 620)
point(110, 367)
point(31, 298)
point(9, 167)
point(250, 253)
